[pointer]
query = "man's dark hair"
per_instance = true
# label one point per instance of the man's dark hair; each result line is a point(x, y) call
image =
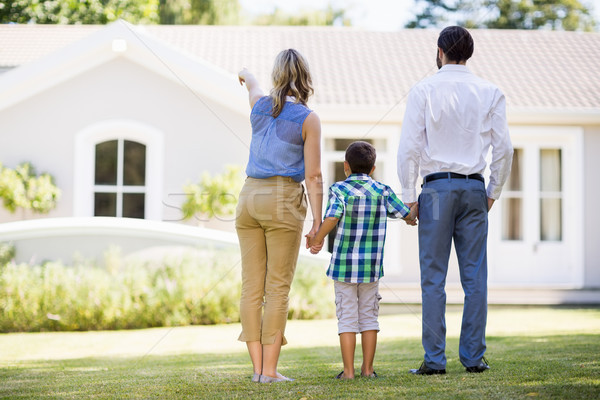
point(361, 157)
point(456, 43)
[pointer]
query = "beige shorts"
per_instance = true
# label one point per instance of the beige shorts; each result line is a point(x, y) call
point(357, 306)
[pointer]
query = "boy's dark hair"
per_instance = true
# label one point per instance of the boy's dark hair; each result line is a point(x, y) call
point(456, 43)
point(361, 157)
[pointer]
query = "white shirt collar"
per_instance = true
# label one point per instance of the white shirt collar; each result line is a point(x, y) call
point(454, 68)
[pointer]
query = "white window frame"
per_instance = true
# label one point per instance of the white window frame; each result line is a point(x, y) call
point(121, 130)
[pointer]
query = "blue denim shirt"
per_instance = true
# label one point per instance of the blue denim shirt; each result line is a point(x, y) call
point(277, 148)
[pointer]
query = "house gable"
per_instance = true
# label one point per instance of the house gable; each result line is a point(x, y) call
point(122, 40)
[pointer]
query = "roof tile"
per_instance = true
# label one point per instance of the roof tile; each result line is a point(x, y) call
point(362, 68)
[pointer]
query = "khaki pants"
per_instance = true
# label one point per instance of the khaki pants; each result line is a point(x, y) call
point(269, 223)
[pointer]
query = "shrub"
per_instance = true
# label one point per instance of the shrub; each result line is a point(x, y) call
point(213, 196)
point(311, 295)
point(199, 288)
point(7, 253)
point(23, 188)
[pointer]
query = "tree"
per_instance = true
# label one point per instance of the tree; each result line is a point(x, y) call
point(434, 13)
point(181, 12)
point(329, 16)
point(204, 12)
point(78, 11)
point(23, 188)
point(213, 196)
point(567, 15)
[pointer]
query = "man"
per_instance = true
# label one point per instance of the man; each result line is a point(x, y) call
point(451, 120)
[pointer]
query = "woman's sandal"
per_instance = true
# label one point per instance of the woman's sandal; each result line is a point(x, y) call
point(285, 378)
point(270, 379)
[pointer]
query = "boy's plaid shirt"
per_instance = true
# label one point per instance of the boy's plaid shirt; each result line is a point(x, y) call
point(361, 204)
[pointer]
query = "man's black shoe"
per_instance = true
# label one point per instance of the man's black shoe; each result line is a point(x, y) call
point(483, 365)
point(425, 370)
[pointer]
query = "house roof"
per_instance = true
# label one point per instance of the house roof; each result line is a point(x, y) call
point(548, 70)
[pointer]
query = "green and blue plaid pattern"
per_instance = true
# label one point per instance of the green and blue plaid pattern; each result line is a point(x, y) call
point(362, 206)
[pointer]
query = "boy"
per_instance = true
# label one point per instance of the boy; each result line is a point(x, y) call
point(360, 205)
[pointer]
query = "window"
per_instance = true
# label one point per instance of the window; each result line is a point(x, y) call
point(512, 212)
point(120, 179)
point(550, 195)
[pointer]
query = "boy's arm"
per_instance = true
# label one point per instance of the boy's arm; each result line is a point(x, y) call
point(316, 242)
point(396, 208)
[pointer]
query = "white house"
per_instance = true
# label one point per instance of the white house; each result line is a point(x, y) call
point(123, 116)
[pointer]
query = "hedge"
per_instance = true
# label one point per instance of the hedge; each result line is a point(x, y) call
point(202, 287)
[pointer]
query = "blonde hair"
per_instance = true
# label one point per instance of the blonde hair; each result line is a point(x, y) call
point(290, 76)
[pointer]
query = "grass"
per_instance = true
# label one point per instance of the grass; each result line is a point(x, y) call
point(545, 353)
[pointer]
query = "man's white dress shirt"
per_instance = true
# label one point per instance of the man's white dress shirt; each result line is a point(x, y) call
point(451, 120)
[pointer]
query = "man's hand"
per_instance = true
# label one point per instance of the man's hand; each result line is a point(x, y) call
point(490, 203)
point(411, 219)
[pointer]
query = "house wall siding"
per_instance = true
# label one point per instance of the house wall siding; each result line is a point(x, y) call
point(199, 134)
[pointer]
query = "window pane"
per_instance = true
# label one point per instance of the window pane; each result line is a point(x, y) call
point(134, 164)
point(105, 204)
point(550, 170)
point(342, 144)
point(551, 219)
point(512, 227)
point(514, 182)
point(133, 205)
point(106, 163)
point(338, 172)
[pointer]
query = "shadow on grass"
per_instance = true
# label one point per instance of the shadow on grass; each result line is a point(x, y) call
point(522, 367)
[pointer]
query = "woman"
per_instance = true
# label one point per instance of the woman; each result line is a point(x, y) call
point(284, 151)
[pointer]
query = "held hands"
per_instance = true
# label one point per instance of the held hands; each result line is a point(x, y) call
point(411, 219)
point(313, 245)
point(311, 242)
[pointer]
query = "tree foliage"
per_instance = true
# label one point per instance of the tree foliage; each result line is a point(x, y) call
point(570, 15)
point(213, 195)
point(22, 188)
point(78, 11)
point(180, 12)
point(204, 12)
point(329, 16)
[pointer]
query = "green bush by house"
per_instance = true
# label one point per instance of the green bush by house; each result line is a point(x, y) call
point(22, 188)
point(199, 288)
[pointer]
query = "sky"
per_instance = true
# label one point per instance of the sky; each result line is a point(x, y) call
point(378, 15)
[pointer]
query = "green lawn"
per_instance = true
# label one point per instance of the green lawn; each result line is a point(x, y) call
point(545, 353)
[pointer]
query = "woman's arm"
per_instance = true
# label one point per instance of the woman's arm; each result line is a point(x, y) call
point(311, 133)
point(254, 91)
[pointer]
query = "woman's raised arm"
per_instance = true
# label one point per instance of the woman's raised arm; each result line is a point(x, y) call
point(254, 91)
